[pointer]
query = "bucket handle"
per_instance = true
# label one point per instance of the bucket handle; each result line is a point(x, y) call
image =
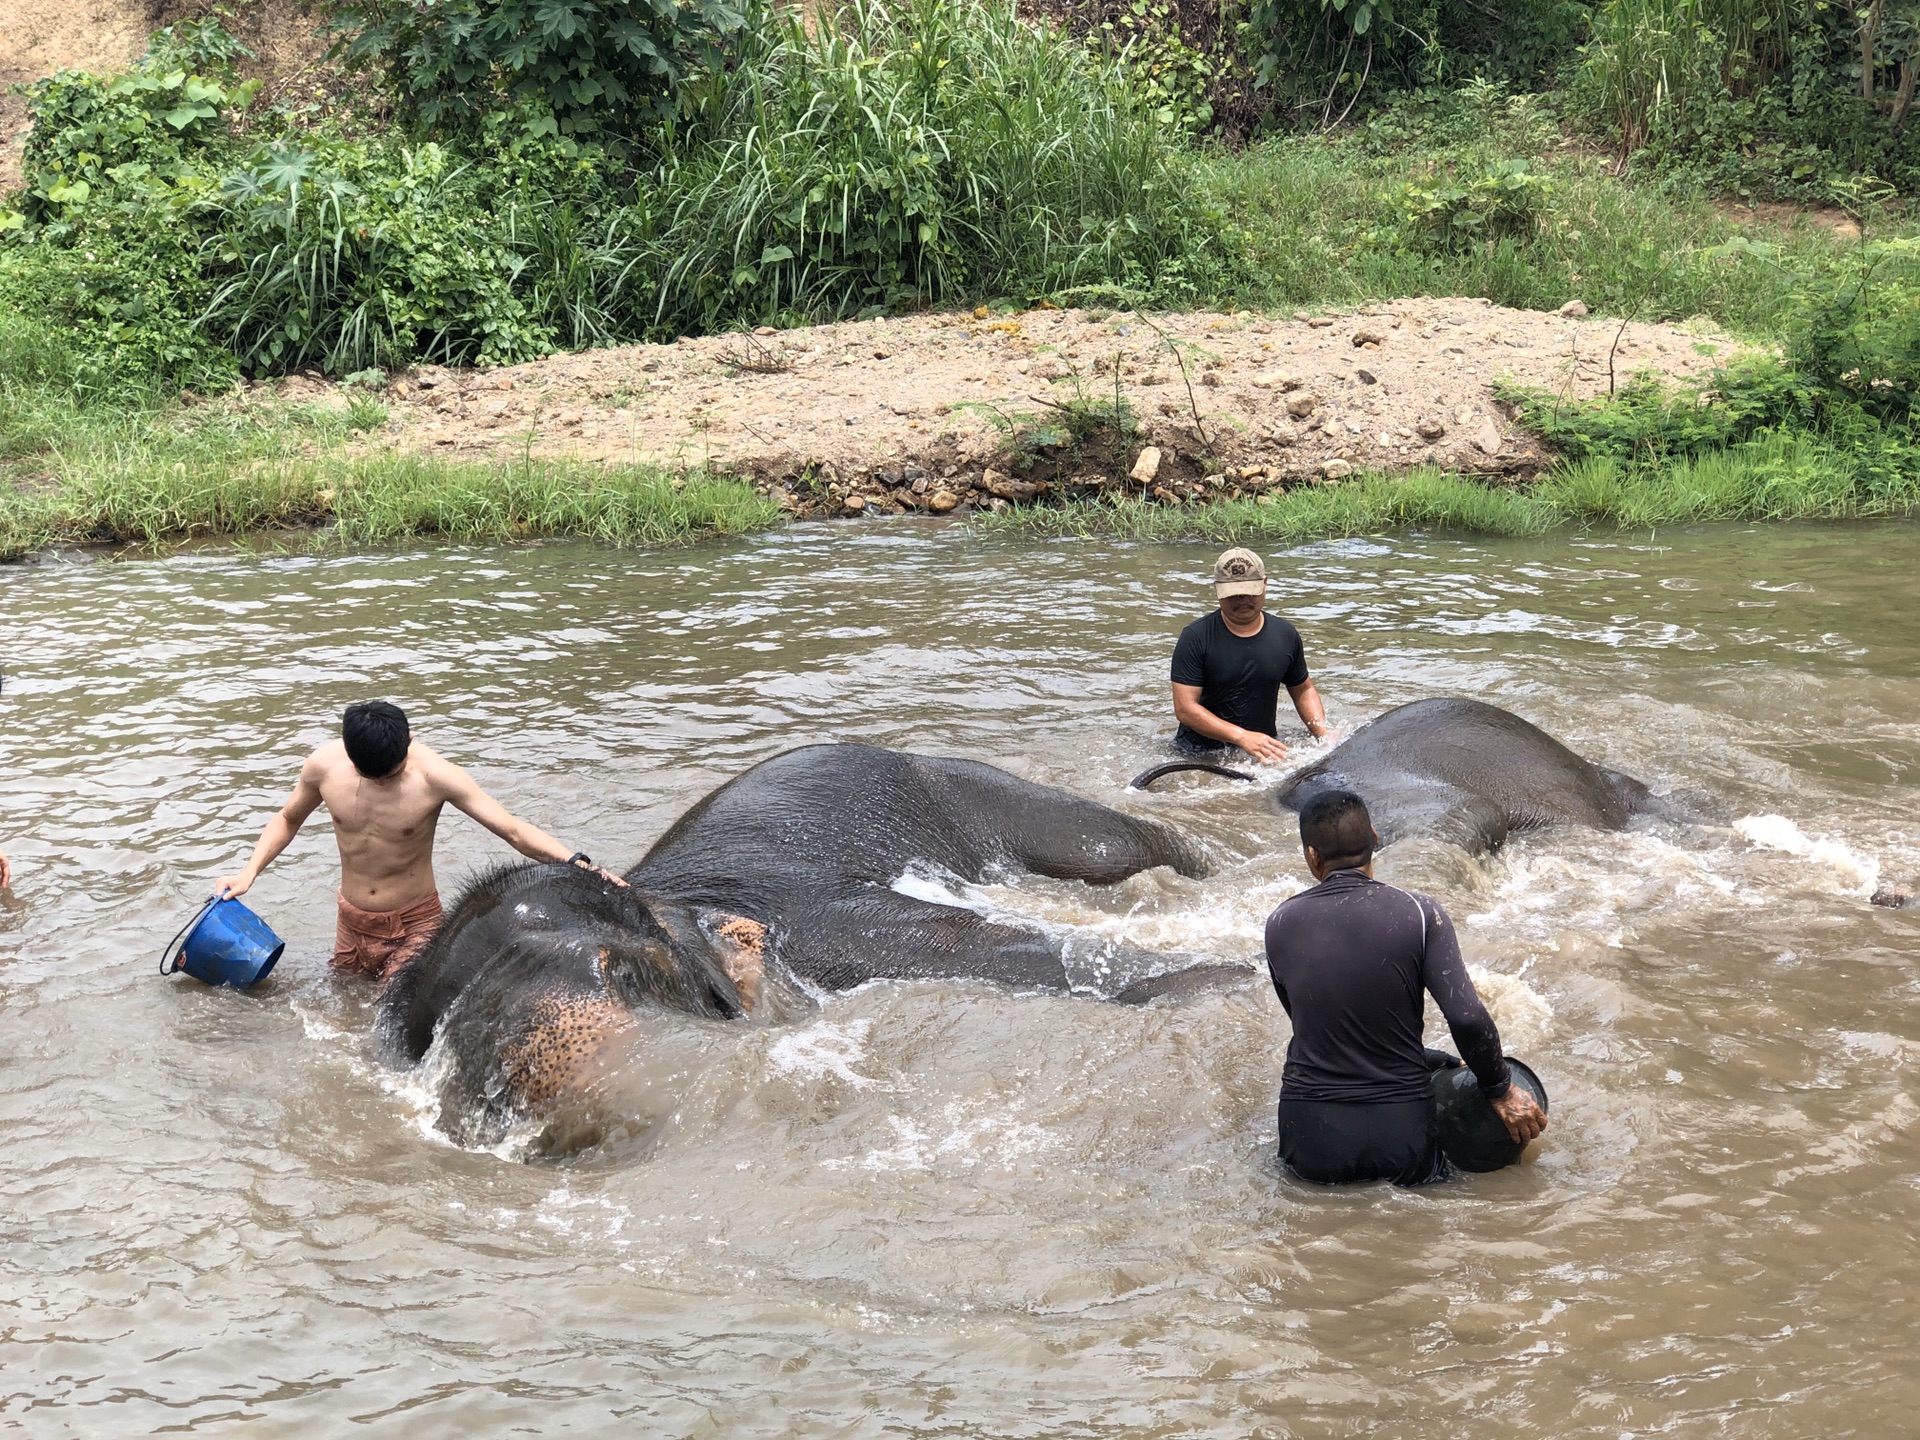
point(169, 957)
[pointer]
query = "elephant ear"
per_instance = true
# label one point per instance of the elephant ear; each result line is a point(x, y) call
point(720, 954)
point(740, 945)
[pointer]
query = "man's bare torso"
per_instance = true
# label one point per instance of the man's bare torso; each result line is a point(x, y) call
point(385, 828)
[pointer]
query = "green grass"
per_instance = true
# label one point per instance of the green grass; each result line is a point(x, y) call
point(132, 467)
point(1773, 477)
point(377, 500)
point(1322, 222)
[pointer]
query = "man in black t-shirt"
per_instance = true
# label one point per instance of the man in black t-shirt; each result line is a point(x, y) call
point(1228, 668)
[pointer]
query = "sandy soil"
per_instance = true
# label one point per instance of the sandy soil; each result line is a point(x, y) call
point(942, 411)
point(43, 37)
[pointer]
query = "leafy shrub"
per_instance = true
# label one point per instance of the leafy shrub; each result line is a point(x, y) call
point(1172, 74)
point(1503, 201)
point(102, 247)
point(577, 67)
point(880, 157)
point(351, 256)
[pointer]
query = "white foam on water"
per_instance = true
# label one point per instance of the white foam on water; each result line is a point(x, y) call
point(1860, 873)
point(823, 1050)
point(590, 1217)
point(995, 1139)
point(1228, 924)
point(1524, 1015)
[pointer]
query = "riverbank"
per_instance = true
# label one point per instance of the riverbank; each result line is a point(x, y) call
point(344, 503)
point(1163, 424)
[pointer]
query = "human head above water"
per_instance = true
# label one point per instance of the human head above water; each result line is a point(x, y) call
point(377, 736)
point(1335, 827)
point(1239, 584)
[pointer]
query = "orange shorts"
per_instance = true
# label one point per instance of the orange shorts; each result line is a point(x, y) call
point(375, 943)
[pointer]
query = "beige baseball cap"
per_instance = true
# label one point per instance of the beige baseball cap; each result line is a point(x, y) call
point(1238, 572)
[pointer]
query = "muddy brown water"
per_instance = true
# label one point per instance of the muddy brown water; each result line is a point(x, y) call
point(941, 1209)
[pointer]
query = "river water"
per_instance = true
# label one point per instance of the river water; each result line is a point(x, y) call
point(941, 1209)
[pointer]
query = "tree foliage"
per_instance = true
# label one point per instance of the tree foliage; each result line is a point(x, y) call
point(591, 68)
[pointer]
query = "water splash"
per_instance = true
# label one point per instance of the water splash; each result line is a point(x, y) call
point(1861, 873)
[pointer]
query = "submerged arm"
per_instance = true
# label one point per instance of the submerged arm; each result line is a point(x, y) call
point(1306, 704)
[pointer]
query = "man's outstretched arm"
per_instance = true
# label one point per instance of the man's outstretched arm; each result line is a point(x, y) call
point(278, 833)
point(463, 792)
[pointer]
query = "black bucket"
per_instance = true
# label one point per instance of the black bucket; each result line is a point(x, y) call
point(1471, 1132)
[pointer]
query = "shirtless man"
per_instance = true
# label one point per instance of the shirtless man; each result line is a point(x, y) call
point(385, 790)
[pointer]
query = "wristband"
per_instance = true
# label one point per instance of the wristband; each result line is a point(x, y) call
point(580, 857)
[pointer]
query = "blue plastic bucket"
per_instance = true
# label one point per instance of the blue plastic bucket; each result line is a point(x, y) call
point(226, 944)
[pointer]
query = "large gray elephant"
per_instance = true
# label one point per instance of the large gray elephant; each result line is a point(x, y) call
point(1469, 773)
point(779, 882)
point(1461, 771)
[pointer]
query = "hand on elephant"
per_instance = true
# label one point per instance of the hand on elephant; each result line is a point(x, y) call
point(1264, 748)
point(1521, 1114)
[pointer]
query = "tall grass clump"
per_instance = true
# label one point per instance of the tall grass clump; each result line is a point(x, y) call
point(1650, 63)
point(918, 151)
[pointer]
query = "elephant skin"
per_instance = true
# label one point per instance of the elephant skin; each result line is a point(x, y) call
point(1471, 774)
point(778, 882)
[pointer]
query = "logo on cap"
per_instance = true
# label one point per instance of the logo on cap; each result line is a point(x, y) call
point(1239, 572)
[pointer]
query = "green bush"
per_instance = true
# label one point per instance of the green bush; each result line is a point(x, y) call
point(879, 157)
point(594, 68)
point(1503, 201)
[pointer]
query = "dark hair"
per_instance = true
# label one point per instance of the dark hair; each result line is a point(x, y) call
point(377, 737)
point(1336, 824)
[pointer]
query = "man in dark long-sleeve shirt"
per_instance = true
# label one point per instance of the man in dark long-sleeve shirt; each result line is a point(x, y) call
point(1350, 961)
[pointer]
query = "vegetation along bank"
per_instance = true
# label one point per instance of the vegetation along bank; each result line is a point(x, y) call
point(487, 279)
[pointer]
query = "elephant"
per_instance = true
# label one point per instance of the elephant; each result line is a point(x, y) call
point(1465, 772)
point(777, 885)
point(1469, 773)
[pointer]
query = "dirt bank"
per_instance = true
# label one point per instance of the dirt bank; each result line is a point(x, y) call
point(940, 412)
point(44, 37)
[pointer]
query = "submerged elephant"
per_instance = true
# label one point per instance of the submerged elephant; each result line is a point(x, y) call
point(1470, 773)
point(1462, 771)
point(783, 874)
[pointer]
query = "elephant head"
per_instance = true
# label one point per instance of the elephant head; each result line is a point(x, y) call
point(536, 967)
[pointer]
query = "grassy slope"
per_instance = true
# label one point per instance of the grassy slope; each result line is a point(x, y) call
point(1322, 224)
point(1319, 221)
point(137, 469)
